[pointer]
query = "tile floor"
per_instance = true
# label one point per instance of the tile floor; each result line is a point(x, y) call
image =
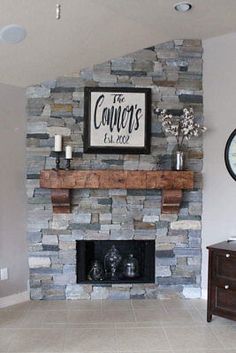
point(137, 326)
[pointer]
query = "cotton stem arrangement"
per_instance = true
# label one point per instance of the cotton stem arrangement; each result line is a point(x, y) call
point(181, 127)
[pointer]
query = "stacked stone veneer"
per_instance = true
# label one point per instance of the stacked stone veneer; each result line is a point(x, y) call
point(173, 71)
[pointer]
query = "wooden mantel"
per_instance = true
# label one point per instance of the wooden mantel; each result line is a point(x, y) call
point(62, 181)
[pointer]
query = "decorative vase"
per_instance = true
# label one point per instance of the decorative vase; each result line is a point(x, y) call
point(96, 272)
point(130, 267)
point(179, 160)
point(112, 261)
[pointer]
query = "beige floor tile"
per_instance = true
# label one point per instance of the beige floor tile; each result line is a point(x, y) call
point(6, 336)
point(91, 325)
point(11, 318)
point(204, 350)
point(171, 305)
point(56, 305)
point(186, 337)
point(226, 335)
point(198, 316)
point(156, 351)
point(56, 317)
point(146, 324)
point(147, 304)
point(181, 317)
point(155, 314)
point(33, 319)
point(41, 305)
point(117, 316)
point(90, 340)
point(199, 304)
point(84, 316)
point(49, 305)
point(37, 340)
point(116, 305)
point(83, 304)
point(141, 339)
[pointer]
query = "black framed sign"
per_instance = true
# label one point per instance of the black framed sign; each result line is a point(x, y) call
point(117, 120)
point(230, 154)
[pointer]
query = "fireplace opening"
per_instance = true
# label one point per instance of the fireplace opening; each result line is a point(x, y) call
point(115, 261)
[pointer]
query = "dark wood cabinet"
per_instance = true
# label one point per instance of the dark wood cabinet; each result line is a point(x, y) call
point(222, 280)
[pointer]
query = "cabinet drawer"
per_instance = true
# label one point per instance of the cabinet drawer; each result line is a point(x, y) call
point(225, 283)
point(225, 266)
point(225, 300)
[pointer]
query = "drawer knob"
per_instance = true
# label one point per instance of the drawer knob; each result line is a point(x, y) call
point(226, 286)
point(227, 255)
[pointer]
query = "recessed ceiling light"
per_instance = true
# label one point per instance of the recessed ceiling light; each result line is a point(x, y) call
point(12, 34)
point(182, 6)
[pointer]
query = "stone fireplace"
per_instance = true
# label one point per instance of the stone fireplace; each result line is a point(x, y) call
point(141, 251)
point(173, 71)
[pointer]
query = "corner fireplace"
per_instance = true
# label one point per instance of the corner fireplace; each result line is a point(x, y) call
point(135, 261)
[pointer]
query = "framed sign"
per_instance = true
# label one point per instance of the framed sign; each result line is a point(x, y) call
point(117, 120)
point(230, 155)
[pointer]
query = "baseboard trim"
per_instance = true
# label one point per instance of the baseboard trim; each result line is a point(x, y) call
point(204, 294)
point(14, 299)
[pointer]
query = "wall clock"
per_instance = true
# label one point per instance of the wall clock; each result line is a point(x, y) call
point(230, 154)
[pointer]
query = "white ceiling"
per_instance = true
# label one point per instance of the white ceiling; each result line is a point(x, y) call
point(92, 31)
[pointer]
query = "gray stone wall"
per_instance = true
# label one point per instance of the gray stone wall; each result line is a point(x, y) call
point(173, 71)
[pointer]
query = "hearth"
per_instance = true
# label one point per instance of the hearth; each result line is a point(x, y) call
point(115, 261)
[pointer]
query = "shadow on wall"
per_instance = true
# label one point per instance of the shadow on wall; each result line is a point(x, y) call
point(13, 247)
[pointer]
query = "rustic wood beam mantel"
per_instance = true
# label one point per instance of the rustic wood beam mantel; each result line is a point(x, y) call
point(62, 181)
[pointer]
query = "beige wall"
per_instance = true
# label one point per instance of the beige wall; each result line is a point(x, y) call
point(219, 192)
point(12, 196)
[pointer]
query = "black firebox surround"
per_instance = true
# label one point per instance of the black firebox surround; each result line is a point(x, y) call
point(89, 250)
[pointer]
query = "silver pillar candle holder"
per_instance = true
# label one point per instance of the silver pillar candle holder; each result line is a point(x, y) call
point(58, 160)
point(68, 164)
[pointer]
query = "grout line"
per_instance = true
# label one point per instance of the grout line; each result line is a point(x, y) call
point(218, 338)
point(165, 309)
point(64, 339)
point(200, 320)
point(167, 338)
point(116, 337)
point(8, 347)
point(134, 314)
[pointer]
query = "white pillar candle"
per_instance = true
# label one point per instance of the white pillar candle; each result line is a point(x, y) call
point(58, 143)
point(68, 152)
